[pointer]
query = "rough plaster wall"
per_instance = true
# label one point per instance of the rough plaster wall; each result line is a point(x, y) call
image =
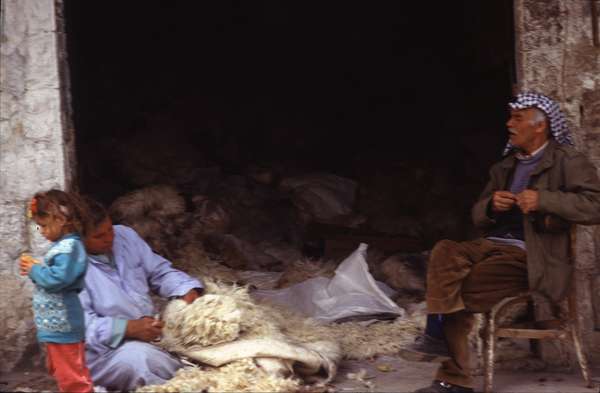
point(556, 56)
point(32, 154)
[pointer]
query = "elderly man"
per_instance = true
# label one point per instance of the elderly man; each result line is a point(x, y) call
point(119, 312)
point(540, 187)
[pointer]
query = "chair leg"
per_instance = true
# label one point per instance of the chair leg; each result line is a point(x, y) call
point(574, 328)
point(490, 346)
point(583, 363)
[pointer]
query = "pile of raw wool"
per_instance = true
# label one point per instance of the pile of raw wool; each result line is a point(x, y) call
point(239, 376)
point(356, 339)
point(204, 331)
point(193, 260)
point(160, 215)
point(156, 213)
point(247, 348)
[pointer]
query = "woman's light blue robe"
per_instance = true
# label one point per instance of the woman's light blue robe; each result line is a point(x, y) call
point(118, 289)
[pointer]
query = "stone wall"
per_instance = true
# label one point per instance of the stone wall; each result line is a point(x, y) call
point(35, 153)
point(556, 55)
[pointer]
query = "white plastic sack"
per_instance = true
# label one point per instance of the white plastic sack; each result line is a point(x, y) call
point(352, 292)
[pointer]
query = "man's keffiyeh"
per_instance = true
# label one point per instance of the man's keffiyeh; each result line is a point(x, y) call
point(556, 119)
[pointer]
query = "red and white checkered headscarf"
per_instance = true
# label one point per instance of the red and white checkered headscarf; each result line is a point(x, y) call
point(556, 119)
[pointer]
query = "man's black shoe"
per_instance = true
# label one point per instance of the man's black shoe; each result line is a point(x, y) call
point(426, 349)
point(444, 387)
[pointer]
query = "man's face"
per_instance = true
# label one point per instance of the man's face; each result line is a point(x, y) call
point(523, 131)
point(100, 239)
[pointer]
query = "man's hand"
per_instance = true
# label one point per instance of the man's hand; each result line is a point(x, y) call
point(503, 201)
point(192, 295)
point(25, 264)
point(528, 201)
point(144, 329)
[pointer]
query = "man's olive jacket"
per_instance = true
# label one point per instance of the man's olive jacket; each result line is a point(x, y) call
point(569, 188)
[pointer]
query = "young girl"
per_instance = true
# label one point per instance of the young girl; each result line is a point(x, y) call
point(57, 311)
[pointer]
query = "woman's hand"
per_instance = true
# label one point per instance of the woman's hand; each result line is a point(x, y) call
point(192, 295)
point(144, 329)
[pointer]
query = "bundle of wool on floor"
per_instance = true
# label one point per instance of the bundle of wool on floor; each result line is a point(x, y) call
point(358, 340)
point(246, 345)
point(238, 376)
point(247, 348)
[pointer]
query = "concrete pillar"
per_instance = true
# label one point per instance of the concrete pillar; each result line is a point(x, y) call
point(556, 56)
point(36, 152)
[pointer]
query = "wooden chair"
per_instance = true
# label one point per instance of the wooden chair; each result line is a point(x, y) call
point(566, 328)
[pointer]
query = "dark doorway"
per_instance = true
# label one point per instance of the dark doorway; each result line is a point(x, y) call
point(408, 98)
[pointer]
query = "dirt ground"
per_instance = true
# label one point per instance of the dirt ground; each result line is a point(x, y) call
point(27, 381)
point(382, 374)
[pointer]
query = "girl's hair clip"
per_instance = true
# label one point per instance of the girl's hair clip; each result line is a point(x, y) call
point(32, 210)
point(64, 210)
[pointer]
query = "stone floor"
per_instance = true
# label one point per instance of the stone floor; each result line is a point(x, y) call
point(389, 374)
point(383, 374)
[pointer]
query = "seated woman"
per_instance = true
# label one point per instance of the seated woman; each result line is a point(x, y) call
point(122, 274)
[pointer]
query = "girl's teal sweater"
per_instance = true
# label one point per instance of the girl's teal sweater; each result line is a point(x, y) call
point(57, 311)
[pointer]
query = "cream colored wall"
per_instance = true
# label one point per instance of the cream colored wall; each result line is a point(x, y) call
point(34, 154)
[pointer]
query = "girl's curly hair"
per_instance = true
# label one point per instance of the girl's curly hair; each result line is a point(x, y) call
point(67, 204)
